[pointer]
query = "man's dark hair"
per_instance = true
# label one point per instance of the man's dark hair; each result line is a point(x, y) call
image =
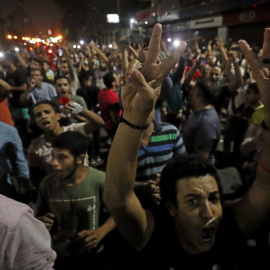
point(254, 88)
point(36, 69)
point(51, 103)
point(108, 79)
point(38, 61)
point(62, 77)
point(47, 62)
point(180, 167)
point(207, 89)
point(73, 141)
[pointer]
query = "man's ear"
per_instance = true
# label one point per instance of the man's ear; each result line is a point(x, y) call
point(170, 206)
point(80, 159)
point(58, 116)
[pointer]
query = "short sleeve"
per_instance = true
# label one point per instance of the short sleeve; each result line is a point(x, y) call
point(29, 245)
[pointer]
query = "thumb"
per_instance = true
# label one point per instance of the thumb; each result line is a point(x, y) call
point(137, 79)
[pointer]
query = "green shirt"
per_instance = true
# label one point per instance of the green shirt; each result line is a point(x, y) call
point(76, 208)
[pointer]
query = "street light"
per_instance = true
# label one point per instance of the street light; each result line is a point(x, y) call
point(176, 43)
point(132, 21)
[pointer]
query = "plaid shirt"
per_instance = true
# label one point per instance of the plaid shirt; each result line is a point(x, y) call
point(11, 153)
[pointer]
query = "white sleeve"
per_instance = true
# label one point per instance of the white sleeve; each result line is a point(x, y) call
point(29, 245)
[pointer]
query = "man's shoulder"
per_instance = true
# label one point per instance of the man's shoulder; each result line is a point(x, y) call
point(96, 175)
point(47, 182)
point(166, 127)
point(47, 85)
point(11, 211)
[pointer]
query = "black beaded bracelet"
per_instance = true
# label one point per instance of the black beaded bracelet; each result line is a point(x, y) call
point(122, 119)
point(264, 126)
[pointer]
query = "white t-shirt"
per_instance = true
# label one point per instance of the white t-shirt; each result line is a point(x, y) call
point(39, 153)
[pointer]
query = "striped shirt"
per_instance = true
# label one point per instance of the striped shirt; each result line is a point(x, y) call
point(165, 143)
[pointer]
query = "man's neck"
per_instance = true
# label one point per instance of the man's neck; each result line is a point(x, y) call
point(202, 107)
point(77, 177)
point(49, 135)
point(39, 85)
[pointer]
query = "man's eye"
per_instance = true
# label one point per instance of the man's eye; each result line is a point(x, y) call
point(192, 201)
point(215, 200)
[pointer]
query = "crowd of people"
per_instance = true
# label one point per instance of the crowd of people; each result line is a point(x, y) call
point(157, 200)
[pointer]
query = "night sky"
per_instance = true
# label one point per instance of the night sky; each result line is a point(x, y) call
point(43, 13)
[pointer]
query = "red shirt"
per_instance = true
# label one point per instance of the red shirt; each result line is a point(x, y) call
point(5, 115)
point(108, 99)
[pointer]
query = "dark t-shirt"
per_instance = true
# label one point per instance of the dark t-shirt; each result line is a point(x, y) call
point(201, 132)
point(16, 78)
point(164, 251)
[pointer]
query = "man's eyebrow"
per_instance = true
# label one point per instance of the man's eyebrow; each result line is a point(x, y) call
point(216, 192)
point(191, 195)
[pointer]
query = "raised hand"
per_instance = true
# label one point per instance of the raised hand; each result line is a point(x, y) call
point(260, 69)
point(144, 81)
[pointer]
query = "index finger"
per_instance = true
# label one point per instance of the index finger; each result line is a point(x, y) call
point(51, 215)
point(266, 44)
point(85, 233)
point(154, 45)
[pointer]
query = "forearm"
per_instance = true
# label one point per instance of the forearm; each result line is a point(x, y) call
point(124, 60)
point(21, 60)
point(5, 87)
point(134, 52)
point(70, 67)
point(107, 227)
point(238, 78)
point(22, 87)
point(79, 69)
point(190, 74)
point(25, 96)
point(101, 54)
point(178, 74)
point(122, 166)
point(94, 120)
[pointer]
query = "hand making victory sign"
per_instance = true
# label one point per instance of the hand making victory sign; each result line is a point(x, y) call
point(144, 81)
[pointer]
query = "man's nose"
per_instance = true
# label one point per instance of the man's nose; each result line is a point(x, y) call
point(206, 211)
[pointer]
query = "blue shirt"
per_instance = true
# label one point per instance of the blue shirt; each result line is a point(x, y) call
point(11, 153)
point(45, 92)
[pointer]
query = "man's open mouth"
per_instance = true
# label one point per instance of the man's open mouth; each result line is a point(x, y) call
point(208, 234)
point(46, 123)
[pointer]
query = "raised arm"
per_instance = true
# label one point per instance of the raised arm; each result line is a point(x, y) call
point(251, 211)
point(238, 79)
point(139, 95)
point(94, 120)
point(70, 67)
